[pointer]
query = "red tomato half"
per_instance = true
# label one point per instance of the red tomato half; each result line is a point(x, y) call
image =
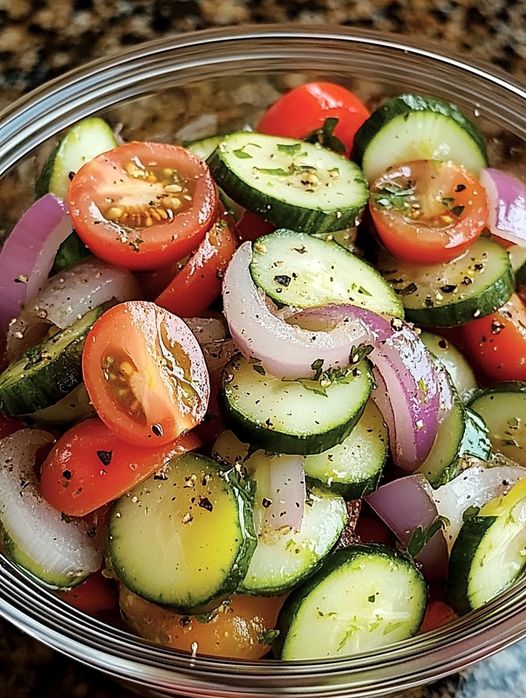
point(428, 211)
point(8, 426)
point(89, 466)
point(437, 614)
point(305, 108)
point(198, 284)
point(496, 344)
point(143, 205)
point(145, 374)
point(251, 227)
point(94, 595)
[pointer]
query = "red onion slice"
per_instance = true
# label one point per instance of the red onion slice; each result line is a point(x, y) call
point(281, 491)
point(69, 295)
point(405, 373)
point(473, 487)
point(28, 253)
point(409, 502)
point(404, 505)
point(59, 547)
point(285, 350)
point(507, 204)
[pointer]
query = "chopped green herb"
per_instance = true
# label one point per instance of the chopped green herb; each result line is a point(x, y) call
point(242, 154)
point(325, 136)
point(457, 210)
point(420, 537)
point(289, 149)
point(317, 368)
point(275, 171)
point(470, 513)
point(268, 637)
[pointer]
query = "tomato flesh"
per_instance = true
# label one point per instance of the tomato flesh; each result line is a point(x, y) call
point(437, 614)
point(143, 205)
point(305, 109)
point(496, 344)
point(95, 595)
point(236, 630)
point(428, 211)
point(198, 284)
point(145, 374)
point(90, 466)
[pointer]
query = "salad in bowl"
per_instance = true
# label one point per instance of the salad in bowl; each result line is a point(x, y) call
point(264, 392)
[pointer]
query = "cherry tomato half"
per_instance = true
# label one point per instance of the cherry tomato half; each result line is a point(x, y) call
point(94, 595)
point(145, 373)
point(90, 466)
point(8, 426)
point(304, 109)
point(143, 205)
point(428, 211)
point(198, 284)
point(251, 226)
point(238, 629)
point(496, 344)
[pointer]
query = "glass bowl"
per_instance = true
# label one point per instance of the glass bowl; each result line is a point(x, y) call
point(153, 91)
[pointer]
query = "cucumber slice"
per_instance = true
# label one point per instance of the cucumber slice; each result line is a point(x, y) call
point(443, 295)
point(83, 142)
point(183, 538)
point(204, 147)
point(70, 252)
point(503, 408)
point(351, 469)
point(364, 597)
point(47, 372)
point(488, 554)
point(415, 127)
point(72, 408)
point(454, 362)
point(461, 433)
point(303, 271)
point(291, 183)
point(354, 467)
point(517, 256)
point(292, 416)
point(283, 558)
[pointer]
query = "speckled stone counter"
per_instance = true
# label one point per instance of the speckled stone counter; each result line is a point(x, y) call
point(42, 39)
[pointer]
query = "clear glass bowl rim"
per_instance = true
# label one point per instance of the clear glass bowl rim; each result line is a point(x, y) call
point(100, 84)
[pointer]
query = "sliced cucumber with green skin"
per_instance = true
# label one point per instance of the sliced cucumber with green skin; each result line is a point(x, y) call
point(47, 372)
point(183, 538)
point(70, 252)
point(204, 147)
point(72, 408)
point(84, 141)
point(302, 271)
point(461, 433)
point(503, 408)
point(363, 597)
point(517, 256)
point(351, 469)
point(292, 416)
point(291, 183)
point(354, 467)
point(444, 295)
point(488, 554)
point(414, 127)
point(283, 557)
point(454, 362)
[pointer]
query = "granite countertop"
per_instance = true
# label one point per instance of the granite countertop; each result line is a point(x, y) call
point(42, 39)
